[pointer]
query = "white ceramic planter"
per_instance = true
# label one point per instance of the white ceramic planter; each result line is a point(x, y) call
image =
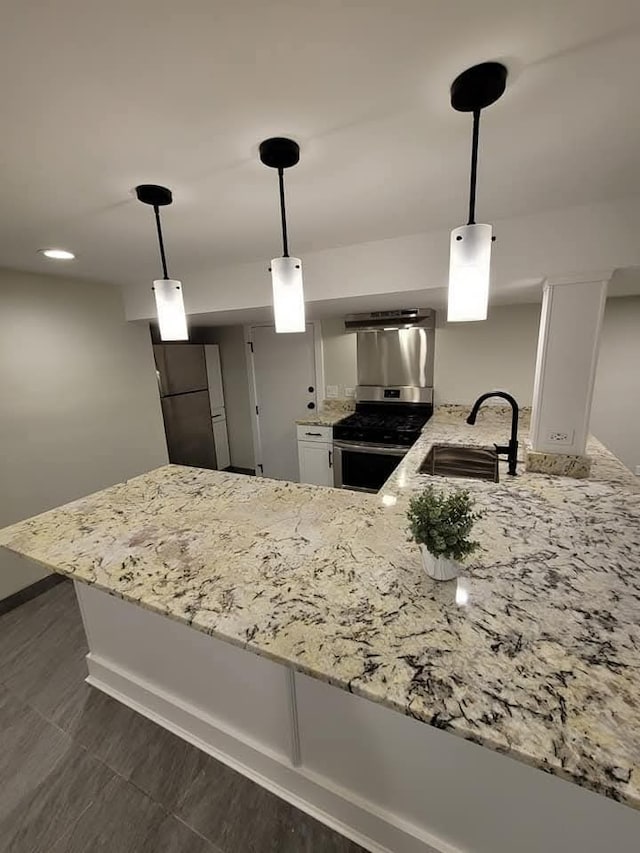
point(439, 568)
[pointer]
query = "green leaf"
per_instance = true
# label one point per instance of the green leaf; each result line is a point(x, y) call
point(443, 521)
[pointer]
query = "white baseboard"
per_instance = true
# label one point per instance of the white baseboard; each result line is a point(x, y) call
point(364, 823)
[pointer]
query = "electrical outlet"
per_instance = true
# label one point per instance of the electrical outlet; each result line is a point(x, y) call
point(332, 392)
point(637, 470)
point(560, 436)
point(349, 392)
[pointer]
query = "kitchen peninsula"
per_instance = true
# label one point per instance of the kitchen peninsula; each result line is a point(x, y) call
point(305, 647)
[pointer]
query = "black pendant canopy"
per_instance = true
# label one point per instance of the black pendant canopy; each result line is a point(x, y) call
point(156, 197)
point(478, 87)
point(280, 153)
point(473, 90)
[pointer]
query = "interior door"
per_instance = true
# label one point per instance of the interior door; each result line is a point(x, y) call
point(285, 385)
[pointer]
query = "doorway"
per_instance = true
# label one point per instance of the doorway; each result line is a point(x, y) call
point(285, 373)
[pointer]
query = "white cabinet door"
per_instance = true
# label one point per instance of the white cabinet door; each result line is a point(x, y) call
point(221, 441)
point(214, 376)
point(316, 463)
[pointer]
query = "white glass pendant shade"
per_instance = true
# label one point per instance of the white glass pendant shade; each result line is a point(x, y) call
point(469, 272)
point(288, 294)
point(170, 306)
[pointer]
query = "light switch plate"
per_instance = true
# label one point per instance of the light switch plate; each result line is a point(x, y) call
point(349, 392)
point(332, 391)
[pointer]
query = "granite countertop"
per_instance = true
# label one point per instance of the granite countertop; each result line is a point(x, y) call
point(323, 417)
point(330, 412)
point(534, 652)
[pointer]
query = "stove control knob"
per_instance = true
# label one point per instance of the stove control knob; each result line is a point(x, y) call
point(311, 405)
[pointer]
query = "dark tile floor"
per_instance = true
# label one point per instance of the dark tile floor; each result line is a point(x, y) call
point(81, 773)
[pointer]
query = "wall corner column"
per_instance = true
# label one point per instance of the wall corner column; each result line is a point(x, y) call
point(568, 342)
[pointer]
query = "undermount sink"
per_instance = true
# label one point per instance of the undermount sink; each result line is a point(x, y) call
point(455, 460)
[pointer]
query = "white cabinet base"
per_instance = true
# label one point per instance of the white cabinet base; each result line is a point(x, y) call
point(390, 783)
point(316, 463)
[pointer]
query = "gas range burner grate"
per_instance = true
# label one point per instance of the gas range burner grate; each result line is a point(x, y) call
point(392, 422)
point(383, 424)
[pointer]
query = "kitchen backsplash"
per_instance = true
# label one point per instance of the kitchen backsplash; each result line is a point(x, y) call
point(339, 404)
point(487, 412)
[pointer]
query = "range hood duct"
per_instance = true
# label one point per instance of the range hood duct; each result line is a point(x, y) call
point(378, 321)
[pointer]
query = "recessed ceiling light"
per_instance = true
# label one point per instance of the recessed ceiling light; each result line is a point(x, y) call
point(57, 254)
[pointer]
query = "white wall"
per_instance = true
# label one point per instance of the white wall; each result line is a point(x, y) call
point(339, 355)
point(615, 417)
point(79, 400)
point(501, 353)
point(528, 250)
point(470, 357)
point(235, 380)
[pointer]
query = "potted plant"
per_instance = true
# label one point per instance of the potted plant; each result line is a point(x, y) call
point(440, 523)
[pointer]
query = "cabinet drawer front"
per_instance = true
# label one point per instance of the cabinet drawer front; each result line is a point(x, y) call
point(315, 433)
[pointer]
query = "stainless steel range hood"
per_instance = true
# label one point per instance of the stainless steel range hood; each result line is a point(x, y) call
point(395, 355)
point(404, 318)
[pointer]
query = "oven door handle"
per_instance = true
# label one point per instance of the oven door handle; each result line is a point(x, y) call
point(356, 447)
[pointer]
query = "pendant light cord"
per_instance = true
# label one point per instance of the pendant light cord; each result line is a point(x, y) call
point(474, 168)
point(285, 239)
point(156, 210)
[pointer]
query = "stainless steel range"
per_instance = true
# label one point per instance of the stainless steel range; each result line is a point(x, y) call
point(394, 397)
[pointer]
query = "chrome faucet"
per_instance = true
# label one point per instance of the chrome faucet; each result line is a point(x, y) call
point(512, 448)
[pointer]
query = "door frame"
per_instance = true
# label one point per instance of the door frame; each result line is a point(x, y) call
point(318, 357)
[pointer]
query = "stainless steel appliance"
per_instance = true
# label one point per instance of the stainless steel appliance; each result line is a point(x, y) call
point(395, 348)
point(394, 396)
point(196, 435)
point(404, 318)
point(396, 358)
point(369, 445)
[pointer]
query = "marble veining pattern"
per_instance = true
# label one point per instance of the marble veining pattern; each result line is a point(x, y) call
point(321, 418)
point(534, 652)
point(329, 413)
point(560, 464)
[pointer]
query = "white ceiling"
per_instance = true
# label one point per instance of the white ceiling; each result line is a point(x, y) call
point(99, 97)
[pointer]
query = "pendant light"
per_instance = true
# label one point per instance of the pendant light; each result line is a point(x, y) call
point(286, 272)
point(470, 253)
point(167, 291)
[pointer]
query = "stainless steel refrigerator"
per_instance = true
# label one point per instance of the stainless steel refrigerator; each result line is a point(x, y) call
point(191, 394)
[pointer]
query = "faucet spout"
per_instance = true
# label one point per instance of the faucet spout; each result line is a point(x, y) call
point(511, 449)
